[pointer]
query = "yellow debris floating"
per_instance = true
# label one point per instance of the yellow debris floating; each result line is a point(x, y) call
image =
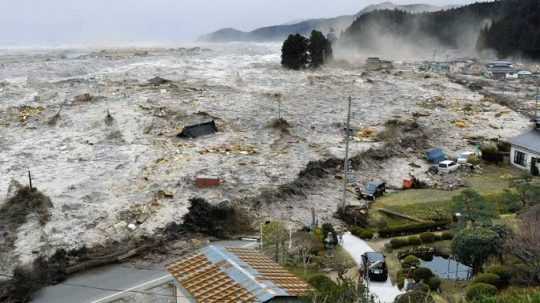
point(26, 112)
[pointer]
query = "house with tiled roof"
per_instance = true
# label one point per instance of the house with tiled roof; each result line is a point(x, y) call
point(239, 275)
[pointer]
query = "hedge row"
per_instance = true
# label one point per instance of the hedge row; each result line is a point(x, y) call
point(415, 228)
point(362, 233)
point(424, 238)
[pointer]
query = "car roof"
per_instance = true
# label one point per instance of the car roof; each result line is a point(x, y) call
point(446, 162)
point(376, 182)
point(374, 256)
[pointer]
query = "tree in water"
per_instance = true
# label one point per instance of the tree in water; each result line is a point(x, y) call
point(294, 53)
point(320, 49)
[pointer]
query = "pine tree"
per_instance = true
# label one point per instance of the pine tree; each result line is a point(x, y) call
point(320, 49)
point(294, 53)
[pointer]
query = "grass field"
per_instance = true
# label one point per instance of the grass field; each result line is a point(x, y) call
point(428, 204)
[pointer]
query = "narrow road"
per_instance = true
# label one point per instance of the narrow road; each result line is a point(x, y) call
point(385, 291)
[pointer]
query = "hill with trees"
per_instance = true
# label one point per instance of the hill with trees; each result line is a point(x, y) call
point(517, 32)
point(282, 31)
point(453, 28)
point(510, 27)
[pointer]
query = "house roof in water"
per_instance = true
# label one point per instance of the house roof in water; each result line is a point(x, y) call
point(197, 130)
point(218, 274)
point(529, 140)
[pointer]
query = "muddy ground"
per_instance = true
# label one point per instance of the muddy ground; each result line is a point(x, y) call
point(114, 169)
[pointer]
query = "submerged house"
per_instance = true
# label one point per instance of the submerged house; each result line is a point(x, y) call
point(376, 64)
point(218, 274)
point(500, 70)
point(198, 130)
point(525, 151)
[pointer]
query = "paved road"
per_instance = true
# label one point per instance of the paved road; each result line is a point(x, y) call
point(386, 292)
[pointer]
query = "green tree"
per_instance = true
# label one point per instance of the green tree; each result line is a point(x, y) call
point(320, 49)
point(294, 53)
point(527, 189)
point(473, 246)
point(473, 207)
point(274, 237)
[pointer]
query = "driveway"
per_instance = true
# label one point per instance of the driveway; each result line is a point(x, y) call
point(385, 292)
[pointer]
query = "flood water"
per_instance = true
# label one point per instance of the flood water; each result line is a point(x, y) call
point(448, 269)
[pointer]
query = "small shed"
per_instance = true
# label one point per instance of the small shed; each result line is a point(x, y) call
point(436, 155)
point(198, 130)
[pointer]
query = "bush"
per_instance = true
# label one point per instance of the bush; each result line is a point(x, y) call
point(401, 279)
point(422, 274)
point(220, 220)
point(322, 283)
point(413, 228)
point(480, 290)
point(434, 283)
point(399, 242)
point(490, 153)
point(414, 296)
point(488, 278)
point(428, 237)
point(447, 235)
point(328, 228)
point(504, 273)
point(362, 233)
point(410, 261)
point(414, 240)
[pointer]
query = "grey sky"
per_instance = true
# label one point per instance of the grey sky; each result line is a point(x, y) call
point(57, 22)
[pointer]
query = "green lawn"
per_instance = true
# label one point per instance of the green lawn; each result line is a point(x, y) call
point(432, 203)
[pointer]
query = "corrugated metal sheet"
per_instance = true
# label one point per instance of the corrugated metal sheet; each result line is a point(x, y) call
point(219, 274)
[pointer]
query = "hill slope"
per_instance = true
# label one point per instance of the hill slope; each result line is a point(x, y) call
point(280, 32)
point(380, 31)
point(517, 32)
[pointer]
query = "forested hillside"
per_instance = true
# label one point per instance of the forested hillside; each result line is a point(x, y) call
point(453, 28)
point(517, 32)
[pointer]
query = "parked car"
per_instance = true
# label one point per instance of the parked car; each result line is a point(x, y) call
point(447, 166)
point(373, 190)
point(374, 266)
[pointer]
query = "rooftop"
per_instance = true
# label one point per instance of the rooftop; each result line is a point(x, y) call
point(218, 274)
point(529, 140)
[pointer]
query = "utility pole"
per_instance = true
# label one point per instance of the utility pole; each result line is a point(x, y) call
point(346, 162)
point(30, 181)
point(537, 109)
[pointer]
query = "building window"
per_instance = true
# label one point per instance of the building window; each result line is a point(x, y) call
point(519, 158)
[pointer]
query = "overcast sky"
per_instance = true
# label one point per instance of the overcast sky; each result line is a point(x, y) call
point(64, 22)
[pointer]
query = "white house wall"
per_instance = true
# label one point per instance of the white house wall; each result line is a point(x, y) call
point(528, 157)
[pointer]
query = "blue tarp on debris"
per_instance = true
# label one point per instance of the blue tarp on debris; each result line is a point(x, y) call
point(436, 155)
